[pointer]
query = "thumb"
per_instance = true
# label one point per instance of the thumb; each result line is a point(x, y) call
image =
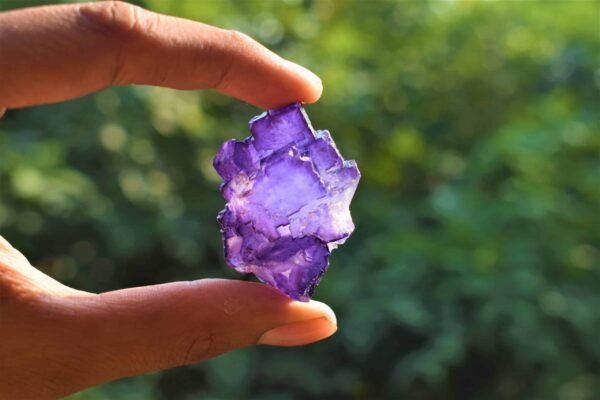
point(137, 330)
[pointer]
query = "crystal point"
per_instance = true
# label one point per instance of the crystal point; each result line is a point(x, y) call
point(288, 193)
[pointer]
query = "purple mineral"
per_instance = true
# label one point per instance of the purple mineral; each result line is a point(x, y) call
point(288, 192)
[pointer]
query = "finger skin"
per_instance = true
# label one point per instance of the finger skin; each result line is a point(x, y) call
point(55, 340)
point(55, 53)
point(192, 321)
point(54, 347)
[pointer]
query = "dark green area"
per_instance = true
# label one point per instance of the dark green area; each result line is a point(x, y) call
point(474, 271)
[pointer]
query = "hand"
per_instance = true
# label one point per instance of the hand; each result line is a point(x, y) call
point(55, 340)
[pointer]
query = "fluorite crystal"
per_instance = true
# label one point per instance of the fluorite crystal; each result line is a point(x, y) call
point(288, 193)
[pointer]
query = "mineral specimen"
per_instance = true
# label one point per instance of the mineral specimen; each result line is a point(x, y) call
point(288, 193)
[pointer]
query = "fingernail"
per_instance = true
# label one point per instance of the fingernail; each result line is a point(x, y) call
point(312, 310)
point(299, 333)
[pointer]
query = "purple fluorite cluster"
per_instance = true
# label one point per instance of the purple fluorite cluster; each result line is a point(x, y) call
point(288, 193)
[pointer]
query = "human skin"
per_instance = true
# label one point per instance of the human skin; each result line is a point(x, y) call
point(56, 340)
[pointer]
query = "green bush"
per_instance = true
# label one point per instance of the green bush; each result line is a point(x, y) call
point(474, 271)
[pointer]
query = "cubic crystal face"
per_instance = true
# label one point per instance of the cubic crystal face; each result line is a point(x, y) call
point(288, 193)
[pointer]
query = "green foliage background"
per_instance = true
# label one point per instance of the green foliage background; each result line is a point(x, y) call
point(474, 271)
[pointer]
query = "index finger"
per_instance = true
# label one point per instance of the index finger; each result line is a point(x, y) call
point(55, 53)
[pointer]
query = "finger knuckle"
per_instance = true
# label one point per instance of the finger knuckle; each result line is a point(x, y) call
point(201, 347)
point(113, 18)
point(208, 341)
point(240, 39)
point(121, 25)
point(235, 43)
